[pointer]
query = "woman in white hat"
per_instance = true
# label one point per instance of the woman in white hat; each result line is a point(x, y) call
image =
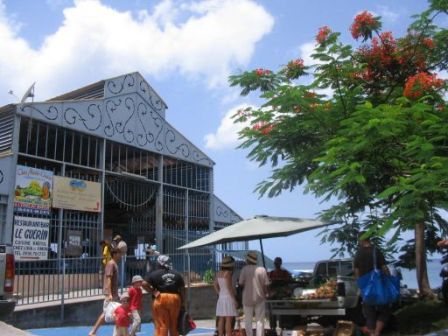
point(226, 305)
point(135, 298)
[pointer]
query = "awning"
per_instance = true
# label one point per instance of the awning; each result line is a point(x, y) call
point(257, 228)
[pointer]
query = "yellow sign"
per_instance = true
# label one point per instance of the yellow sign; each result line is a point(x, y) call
point(69, 193)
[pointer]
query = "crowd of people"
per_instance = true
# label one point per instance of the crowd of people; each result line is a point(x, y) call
point(167, 288)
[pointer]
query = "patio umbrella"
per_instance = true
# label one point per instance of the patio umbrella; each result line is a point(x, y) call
point(258, 227)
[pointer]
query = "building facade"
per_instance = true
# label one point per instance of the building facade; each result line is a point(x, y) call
point(154, 186)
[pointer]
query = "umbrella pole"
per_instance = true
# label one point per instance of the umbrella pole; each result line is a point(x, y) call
point(262, 253)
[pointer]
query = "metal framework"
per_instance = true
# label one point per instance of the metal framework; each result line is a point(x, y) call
point(156, 185)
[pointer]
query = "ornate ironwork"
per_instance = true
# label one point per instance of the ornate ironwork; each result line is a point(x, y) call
point(220, 212)
point(154, 101)
point(51, 112)
point(118, 85)
point(93, 112)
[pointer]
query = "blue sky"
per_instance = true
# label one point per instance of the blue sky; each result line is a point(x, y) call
point(185, 50)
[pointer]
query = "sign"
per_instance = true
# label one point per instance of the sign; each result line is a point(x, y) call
point(33, 190)
point(74, 247)
point(69, 193)
point(30, 239)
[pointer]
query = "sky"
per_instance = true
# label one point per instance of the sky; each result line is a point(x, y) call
point(185, 50)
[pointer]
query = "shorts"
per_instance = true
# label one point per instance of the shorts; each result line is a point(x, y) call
point(375, 313)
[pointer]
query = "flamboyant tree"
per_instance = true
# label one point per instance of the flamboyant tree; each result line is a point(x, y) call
point(375, 144)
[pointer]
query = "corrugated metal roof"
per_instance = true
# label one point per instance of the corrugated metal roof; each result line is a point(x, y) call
point(92, 91)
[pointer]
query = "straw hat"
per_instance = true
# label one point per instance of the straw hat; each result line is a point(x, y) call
point(136, 278)
point(227, 262)
point(251, 257)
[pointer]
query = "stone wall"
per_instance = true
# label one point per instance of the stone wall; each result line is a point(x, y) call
point(85, 312)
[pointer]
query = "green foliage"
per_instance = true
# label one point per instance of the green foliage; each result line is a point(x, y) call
point(376, 145)
point(209, 276)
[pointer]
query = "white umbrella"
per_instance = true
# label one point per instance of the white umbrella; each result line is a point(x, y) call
point(258, 227)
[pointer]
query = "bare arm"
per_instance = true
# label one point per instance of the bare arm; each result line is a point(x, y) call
point(216, 285)
point(147, 287)
point(108, 287)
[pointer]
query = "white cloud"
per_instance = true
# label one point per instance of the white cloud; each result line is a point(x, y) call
point(226, 135)
point(387, 14)
point(96, 41)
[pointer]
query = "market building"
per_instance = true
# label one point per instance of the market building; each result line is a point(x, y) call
point(99, 161)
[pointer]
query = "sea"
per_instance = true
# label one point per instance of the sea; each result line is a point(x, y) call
point(409, 276)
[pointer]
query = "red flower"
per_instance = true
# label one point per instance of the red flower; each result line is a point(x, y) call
point(363, 25)
point(264, 127)
point(420, 83)
point(322, 34)
point(294, 69)
point(262, 72)
point(428, 42)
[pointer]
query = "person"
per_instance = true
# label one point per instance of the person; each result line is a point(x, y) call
point(122, 316)
point(280, 279)
point(151, 258)
point(255, 282)
point(279, 288)
point(120, 244)
point(105, 256)
point(110, 287)
point(135, 297)
point(226, 305)
point(168, 288)
point(376, 316)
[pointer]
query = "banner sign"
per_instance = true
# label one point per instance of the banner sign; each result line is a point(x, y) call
point(30, 239)
point(69, 193)
point(33, 190)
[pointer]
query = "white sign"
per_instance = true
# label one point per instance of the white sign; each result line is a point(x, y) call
point(31, 238)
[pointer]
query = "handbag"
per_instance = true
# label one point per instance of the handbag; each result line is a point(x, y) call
point(378, 288)
point(109, 311)
point(185, 323)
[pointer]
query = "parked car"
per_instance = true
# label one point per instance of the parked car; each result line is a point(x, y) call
point(7, 273)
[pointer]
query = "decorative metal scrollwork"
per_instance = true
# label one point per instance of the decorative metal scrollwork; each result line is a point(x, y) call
point(146, 137)
point(220, 212)
point(93, 112)
point(111, 107)
point(170, 139)
point(128, 134)
point(198, 157)
point(154, 101)
point(117, 88)
point(51, 113)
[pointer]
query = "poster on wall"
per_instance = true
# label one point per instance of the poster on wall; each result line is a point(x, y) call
point(74, 194)
point(30, 240)
point(74, 243)
point(33, 190)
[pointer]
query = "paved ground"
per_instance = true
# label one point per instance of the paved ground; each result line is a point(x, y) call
point(204, 328)
point(8, 330)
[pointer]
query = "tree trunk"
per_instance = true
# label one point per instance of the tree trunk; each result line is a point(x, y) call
point(420, 262)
